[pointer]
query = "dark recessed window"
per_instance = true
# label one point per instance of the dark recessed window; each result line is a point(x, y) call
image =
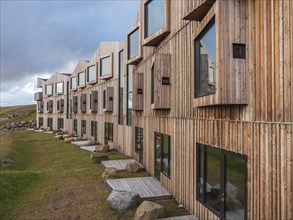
point(105, 66)
point(162, 154)
point(152, 84)
point(60, 123)
point(108, 132)
point(94, 129)
point(129, 95)
point(133, 44)
point(221, 182)
point(41, 122)
point(205, 61)
point(120, 86)
point(154, 16)
point(139, 143)
point(50, 123)
point(81, 79)
point(83, 126)
point(91, 74)
point(104, 99)
point(75, 125)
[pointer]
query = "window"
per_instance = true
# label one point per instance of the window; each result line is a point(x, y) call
point(83, 103)
point(221, 182)
point(153, 84)
point(59, 88)
point(48, 90)
point(94, 101)
point(74, 107)
point(205, 61)
point(162, 154)
point(108, 99)
point(139, 143)
point(108, 132)
point(50, 106)
point(120, 86)
point(129, 95)
point(40, 106)
point(75, 125)
point(133, 44)
point(83, 126)
point(104, 99)
point(73, 83)
point(60, 123)
point(92, 74)
point(94, 129)
point(81, 79)
point(106, 66)
point(154, 16)
point(50, 123)
point(41, 122)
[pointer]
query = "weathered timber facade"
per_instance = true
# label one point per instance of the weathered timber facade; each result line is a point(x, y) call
point(204, 102)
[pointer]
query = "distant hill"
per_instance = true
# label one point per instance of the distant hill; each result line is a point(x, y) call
point(24, 112)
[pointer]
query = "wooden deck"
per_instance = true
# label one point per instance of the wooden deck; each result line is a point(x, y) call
point(89, 148)
point(185, 217)
point(118, 164)
point(79, 143)
point(146, 187)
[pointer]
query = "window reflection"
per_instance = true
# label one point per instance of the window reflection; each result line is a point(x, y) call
point(133, 44)
point(91, 73)
point(81, 77)
point(205, 47)
point(106, 66)
point(154, 12)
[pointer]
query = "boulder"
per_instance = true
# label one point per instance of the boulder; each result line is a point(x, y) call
point(109, 173)
point(59, 133)
point(98, 157)
point(150, 210)
point(60, 137)
point(133, 167)
point(69, 140)
point(102, 148)
point(123, 200)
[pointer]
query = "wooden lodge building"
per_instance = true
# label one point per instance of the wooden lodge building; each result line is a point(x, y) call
point(201, 94)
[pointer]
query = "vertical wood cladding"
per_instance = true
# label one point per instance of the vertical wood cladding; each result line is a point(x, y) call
point(137, 93)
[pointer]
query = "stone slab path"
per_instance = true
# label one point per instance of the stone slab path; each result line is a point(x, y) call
point(118, 164)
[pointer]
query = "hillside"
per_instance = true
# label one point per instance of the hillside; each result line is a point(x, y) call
point(24, 112)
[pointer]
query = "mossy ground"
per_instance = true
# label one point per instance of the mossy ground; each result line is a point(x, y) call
point(50, 179)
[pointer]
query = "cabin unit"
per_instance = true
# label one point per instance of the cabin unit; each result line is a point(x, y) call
point(200, 93)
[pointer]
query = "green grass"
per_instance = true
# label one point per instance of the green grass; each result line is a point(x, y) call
point(25, 113)
point(52, 178)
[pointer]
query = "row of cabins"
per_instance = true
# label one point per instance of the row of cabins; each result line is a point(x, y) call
point(201, 94)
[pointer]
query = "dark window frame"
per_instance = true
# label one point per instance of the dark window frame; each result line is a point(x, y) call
point(94, 126)
point(60, 123)
point(108, 136)
point(197, 73)
point(129, 44)
point(88, 72)
point(41, 122)
point(128, 116)
point(75, 125)
point(223, 177)
point(167, 174)
point(138, 139)
point(101, 66)
point(120, 87)
point(83, 127)
point(153, 84)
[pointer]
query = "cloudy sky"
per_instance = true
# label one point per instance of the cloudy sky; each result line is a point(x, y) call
point(41, 37)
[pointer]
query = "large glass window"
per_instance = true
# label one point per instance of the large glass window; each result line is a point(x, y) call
point(120, 86)
point(108, 132)
point(50, 123)
point(105, 66)
point(81, 79)
point(60, 124)
point(162, 154)
point(59, 87)
point(48, 90)
point(41, 122)
point(139, 143)
point(83, 126)
point(94, 129)
point(154, 16)
point(133, 44)
point(221, 181)
point(91, 74)
point(205, 61)
point(73, 83)
point(152, 84)
point(129, 94)
point(75, 125)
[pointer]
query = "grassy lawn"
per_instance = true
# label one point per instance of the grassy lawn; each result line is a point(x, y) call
point(49, 179)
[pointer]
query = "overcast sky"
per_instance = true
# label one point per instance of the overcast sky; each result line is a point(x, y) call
point(39, 38)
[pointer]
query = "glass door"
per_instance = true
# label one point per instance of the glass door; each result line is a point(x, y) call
point(158, 155)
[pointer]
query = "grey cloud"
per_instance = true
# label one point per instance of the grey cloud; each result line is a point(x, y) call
point(42, 36)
